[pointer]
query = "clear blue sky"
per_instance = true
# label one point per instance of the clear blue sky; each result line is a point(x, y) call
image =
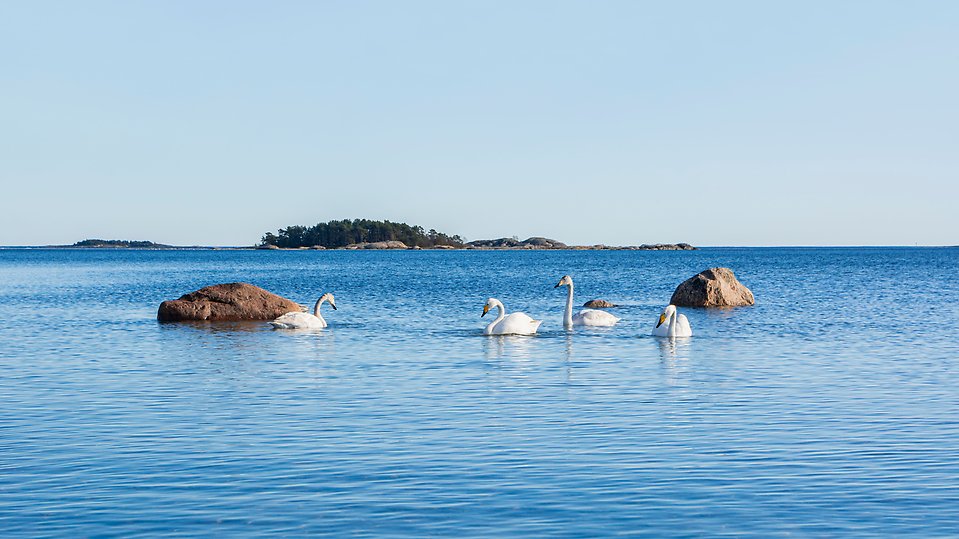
point(714, 123)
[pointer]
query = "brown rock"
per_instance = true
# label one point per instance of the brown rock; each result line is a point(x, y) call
point(715, 287)
point(599, 304)
point(232, 301)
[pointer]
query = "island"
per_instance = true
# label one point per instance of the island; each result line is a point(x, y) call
point(364, 234)
point(538, 242)
point(357, 234)
point(132, 245)
point(119, 244)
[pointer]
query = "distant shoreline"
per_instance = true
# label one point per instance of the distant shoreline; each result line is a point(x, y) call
point(534, 243)
point(653, 247)
point(568, 248)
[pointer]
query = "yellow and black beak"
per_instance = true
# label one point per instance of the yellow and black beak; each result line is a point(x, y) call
point(557, 285)
point(485, 310)
point(662, 318)
point(333, 305)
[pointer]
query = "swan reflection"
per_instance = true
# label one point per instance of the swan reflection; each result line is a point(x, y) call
point(508, 347)
point(674, 355)
point(674, 348)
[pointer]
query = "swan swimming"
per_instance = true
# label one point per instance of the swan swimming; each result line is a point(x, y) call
point(586, 317)
point(678, 325)
point(301, 320)
point(514, 324)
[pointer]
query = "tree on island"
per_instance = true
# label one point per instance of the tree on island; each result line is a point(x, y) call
point(335, 234)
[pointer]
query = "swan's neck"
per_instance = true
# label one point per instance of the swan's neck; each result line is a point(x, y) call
point(500, 316)
point(673, 319)
point(316, 308)
point(568, 314)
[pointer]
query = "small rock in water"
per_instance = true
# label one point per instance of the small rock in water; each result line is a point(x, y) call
point(599, 304)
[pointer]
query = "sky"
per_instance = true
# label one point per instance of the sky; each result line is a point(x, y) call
point(712, 123)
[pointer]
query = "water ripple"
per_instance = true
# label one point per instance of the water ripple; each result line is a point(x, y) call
point(823, 410)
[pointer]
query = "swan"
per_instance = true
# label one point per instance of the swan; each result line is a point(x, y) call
point(586, 317)
point(301, 320)
point(514, 324)
point(678, 325)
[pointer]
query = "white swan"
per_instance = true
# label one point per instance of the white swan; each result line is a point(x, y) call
point(586, 317)
point(514, 324)
point(301, 320)
point(678, 325)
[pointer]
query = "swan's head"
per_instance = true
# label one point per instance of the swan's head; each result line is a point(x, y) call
point(328, 297)
point(667, 312)
point(565, 281)
point(490, 304)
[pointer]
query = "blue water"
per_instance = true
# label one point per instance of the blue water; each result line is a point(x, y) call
point(830, 408)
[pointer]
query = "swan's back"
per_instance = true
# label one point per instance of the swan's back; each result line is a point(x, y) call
point(592, 317)
point(516, 324)
point(298, 320)
point(683, 328)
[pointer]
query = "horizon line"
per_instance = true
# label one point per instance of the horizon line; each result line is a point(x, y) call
point(570, 248)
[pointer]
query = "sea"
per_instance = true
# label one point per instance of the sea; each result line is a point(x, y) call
point(830, 408)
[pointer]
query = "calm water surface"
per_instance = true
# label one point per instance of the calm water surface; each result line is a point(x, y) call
point(831, 408)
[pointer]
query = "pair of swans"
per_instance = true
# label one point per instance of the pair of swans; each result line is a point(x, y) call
point(301, 320)
point(523, 324)
point(678, 325)
point(670, 323)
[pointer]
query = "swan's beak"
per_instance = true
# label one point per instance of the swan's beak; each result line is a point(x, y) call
point(662, 318)
point(557, 285)
point(485, 310)
point(333, 305)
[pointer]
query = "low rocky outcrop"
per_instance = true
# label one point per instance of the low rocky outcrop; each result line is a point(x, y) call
point(535, 242)
point(231, 301)
point(599, 304)
point(643, 247)
point(544, 243)
point(715, 287)
point(392, 244)
point(663, 247)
